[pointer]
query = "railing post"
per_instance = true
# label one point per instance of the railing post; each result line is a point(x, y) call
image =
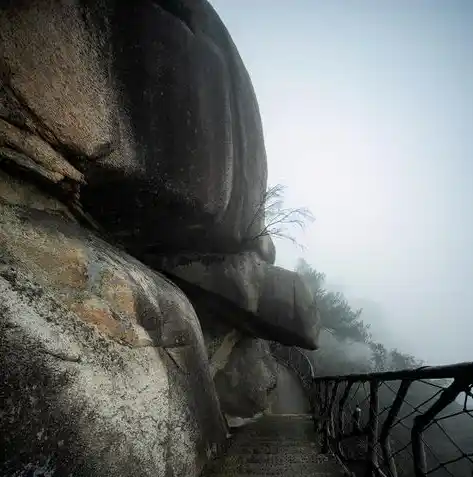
point(332, 427)
point(341, 420)
point(331, 417)
point(384, 436)
point(421, 421)
point(373, 424)
point(315, 403)
point(325, 446)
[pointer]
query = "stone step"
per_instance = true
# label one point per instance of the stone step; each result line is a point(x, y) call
point(280, 422)
point(279, 432)
point(270, 428)
point(303, 432)
point(270, 467)
point(285, 417)
point(273, 449)
point(309, 439)
point(275, 442)
point(275, 446)
point(276, 459)
point(274, 424)
point(311, 474)
point(290, 469)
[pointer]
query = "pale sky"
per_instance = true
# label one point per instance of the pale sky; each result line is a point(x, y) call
point(367, 110)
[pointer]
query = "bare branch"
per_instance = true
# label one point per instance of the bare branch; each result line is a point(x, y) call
point(277, 219)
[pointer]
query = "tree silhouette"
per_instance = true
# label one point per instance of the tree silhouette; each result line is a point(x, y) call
point(279, 221)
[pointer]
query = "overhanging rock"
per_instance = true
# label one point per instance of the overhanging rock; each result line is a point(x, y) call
point(264, 300)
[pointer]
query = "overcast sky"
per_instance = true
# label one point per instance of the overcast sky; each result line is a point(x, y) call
point(367, 110)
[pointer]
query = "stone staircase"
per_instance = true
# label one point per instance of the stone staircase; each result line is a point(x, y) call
point(275, 445)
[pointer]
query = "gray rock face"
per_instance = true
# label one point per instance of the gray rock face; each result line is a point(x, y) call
point(103, 366)
point(287, 302)
point(147, 108)
point(242, 367)
point(137, 118)
point(278, 304)
point(248, 378)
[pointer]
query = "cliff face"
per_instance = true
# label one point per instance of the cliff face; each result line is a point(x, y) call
point(151, 105)
point(136, 290)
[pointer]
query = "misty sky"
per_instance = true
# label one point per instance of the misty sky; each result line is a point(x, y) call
point(367, 109)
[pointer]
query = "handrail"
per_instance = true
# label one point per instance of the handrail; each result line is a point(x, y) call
point(401, 438)
point(297, 360)
point(423, 372)
point(372, 445)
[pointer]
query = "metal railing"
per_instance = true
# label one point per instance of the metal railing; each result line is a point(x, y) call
point(296, 360)
point(399, 424)
point(410, 423)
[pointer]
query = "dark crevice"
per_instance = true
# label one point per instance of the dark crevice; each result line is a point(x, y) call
point(40, 128)
point(74, 155)
point(23, 161)
point(64, 192)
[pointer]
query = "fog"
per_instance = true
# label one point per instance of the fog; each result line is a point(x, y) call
point(335, 353)
point(367, 110)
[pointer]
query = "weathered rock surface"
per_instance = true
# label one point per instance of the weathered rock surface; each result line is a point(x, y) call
point(147, 108)
point(287, 302)
point(244, 385)
point(137, 119)
point(242, 367)
point(96, 102)
point(278, 304)
point(103, 366)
